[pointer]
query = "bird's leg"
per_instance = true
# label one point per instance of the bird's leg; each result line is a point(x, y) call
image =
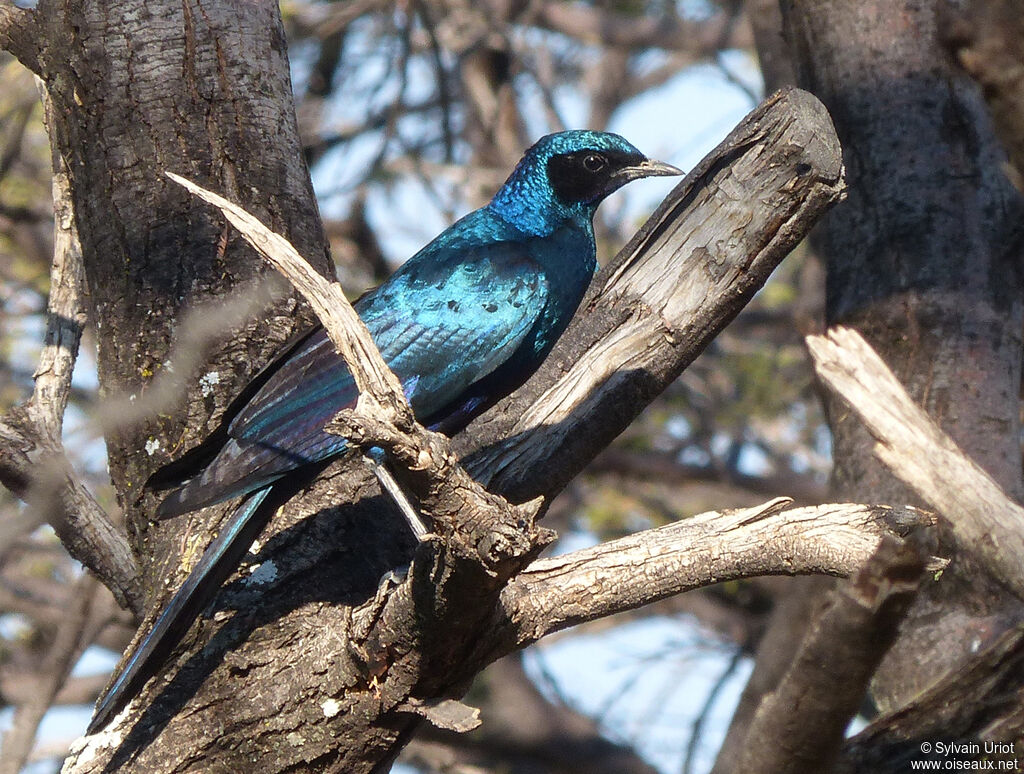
point(375, 456)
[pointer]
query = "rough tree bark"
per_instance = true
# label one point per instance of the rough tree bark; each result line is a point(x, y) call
point(321, 666)
point(923, 260)
point(977, 702)
point(926, 244)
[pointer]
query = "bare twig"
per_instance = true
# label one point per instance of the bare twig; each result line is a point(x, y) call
point(380, 392)
point(697, 729)
point(596, 24)
point(553, 594)
point(984, 521)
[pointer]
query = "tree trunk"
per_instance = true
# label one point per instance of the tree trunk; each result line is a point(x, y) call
point(921, 259)
point(203, 90)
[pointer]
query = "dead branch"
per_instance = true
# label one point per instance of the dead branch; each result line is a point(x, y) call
point(984, 521)
point(681, 279)
point(553, 594)
point(376, 383)
point(800, 725)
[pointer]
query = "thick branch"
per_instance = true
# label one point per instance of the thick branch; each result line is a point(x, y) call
point(979, 702)
point(800, 725)
point(553, 594)
point(984, 521)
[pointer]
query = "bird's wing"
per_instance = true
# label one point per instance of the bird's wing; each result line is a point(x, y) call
point(176, 472)
point(450, 324)
point(441, 326)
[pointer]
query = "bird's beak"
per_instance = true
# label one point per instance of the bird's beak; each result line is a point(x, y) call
point(652, 168)
point(646, 168)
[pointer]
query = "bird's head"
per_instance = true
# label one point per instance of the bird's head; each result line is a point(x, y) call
point(568, 174)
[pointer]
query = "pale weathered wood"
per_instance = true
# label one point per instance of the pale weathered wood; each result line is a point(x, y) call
point(985, 522)
point(769, 539)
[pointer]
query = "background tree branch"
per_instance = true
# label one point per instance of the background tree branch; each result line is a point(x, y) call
point(19, 34)
point(76, 630)
point(32, 461)
point(980, 702)
point(984, 521)
point(770, 539)
point(800, 726)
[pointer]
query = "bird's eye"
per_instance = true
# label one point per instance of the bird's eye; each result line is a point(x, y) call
point(593, 162)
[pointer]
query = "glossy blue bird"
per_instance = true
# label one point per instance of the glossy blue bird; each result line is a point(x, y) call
point(462, 323)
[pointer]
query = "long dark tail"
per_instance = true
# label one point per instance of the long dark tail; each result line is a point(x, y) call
point(219, 560)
